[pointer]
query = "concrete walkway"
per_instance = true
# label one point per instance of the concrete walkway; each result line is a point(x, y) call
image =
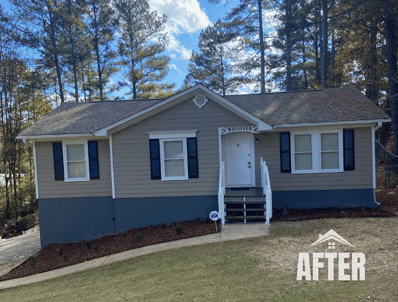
point(229, 232)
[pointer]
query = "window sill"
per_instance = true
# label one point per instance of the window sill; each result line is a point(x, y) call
point(175, 178)
point(317, 172)
point(76, 179)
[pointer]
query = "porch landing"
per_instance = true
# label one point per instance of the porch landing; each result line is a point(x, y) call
point(244, 192)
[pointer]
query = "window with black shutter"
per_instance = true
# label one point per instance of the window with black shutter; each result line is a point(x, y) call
point(285, 158)
point(155, 158)
point(349, 150)
point(93, 159)
point(58, 161)
point(193, 171)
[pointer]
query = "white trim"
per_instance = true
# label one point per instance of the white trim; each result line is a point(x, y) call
point(331, 123)
point(373, 158)
point(316, 151)
point(112, 171)
point(162, 159)
point(35, 163)
point(65, 156)
point(196, 103)
point(252, 129)
point(217, 98)
point(220, 145)
point(172, 134)
point(54, 136)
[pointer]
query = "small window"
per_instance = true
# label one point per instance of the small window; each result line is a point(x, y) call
point(76, 161)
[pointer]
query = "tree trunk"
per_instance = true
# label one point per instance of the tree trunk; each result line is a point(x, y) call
point(391, 43)
point(288, 47)
point(324, 44)
point(261, 37)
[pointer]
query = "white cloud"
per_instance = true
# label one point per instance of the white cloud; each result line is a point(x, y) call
point(173, 66)
point(176, 45)
point(173, 56)
point(183, 16)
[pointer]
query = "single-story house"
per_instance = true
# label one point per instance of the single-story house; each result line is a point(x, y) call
point(101, 167)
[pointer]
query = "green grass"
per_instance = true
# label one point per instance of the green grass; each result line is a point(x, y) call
point(214, 272)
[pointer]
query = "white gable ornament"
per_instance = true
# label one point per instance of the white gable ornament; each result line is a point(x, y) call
point(200, 100)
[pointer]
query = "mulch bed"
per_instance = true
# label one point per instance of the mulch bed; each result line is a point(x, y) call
point(48, 258)
point(331, 212)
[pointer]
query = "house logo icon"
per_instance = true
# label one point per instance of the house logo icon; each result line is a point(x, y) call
point(331, 236)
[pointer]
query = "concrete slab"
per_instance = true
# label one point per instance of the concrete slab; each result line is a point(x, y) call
point(19, 248)
point(229, 232)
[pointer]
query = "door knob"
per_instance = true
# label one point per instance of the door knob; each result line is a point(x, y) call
point(249, 164)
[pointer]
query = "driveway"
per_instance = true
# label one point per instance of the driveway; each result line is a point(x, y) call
point(14, 251)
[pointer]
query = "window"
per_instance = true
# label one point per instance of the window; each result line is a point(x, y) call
point(76, 164)
point(317, 151)
point(173, 154)
point(177, 156)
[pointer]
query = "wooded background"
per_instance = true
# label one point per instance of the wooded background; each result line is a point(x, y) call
point(79, 47)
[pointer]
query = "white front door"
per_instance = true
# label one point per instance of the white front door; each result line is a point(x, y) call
point(239, 161)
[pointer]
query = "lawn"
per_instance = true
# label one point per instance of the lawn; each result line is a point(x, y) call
point(260, 269)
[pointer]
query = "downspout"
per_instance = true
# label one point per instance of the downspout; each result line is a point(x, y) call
point(379, 124)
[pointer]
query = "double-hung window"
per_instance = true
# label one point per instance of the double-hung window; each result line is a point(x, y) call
point(173, 155)
point(76, 163)
point(317, 151)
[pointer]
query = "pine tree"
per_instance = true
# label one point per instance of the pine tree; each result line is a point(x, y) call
point(140, 45)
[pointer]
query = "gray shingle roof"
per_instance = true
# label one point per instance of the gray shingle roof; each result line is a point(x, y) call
point(328, 105)
point(317, 106)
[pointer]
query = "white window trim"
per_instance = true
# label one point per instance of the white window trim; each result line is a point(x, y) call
point(171, 136)
point(162, 159)
point(64, 144)
point(316, 151)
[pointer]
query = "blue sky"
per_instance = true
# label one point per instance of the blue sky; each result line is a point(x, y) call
point(186, 18)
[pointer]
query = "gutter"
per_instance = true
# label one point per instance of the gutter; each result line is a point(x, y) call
point(26, 142)
point(379, 124)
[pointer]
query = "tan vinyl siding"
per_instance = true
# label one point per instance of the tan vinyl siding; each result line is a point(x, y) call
point(131, 151)
point(49, 188)
point(360, 178)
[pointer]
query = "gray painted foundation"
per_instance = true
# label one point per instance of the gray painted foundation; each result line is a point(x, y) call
point(79, 219)
point(323, 198)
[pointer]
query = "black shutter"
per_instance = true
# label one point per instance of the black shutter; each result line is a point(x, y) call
point(155, 158)
point(58, 161)
point(284, 138)
point(349, 154)
point(93, 159)
point(193, 171)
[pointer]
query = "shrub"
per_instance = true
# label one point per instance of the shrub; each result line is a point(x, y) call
point(123, 233)
point(65, 256)
point(178, 228)
point(33, 260)
point(95, 247)
point(60, 250)
point(203, 219)
point(365, 208)
point(163, 225)
point(88, 243)
point(138, 235)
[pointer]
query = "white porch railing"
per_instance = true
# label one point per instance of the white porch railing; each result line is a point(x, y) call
point(221, 193)
point(266, 185)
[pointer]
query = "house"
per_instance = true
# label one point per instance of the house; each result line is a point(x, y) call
point(106, 166)
point(331, 235)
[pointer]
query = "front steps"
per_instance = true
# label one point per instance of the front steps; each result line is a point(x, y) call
point(244, 205)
